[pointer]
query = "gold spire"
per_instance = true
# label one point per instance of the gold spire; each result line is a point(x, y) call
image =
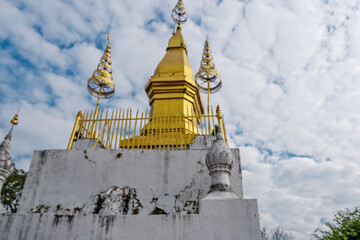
point(172, 88)
point(179, 13)
point(208, 78)
point(175, 59)
point(101, 83)
point(207, 72)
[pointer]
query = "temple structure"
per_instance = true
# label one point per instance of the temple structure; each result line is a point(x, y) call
point(164, 174)
point(7, 165)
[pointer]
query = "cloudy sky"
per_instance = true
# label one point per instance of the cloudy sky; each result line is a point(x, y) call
point(290, 95)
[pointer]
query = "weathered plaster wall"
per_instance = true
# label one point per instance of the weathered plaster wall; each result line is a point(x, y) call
point(140, 194)
point(226, 219)
point(64, 181)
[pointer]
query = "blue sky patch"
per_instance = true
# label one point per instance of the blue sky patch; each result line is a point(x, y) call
point(287, 154)
point(5, 44)
point(38, 29)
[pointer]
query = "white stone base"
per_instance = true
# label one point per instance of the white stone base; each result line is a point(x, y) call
point(228, 219)
point(62, 181)
point(64, 189)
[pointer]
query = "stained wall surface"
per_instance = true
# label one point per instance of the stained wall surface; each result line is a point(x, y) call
point(64, 181)
point(229, 219)
point(140, 194)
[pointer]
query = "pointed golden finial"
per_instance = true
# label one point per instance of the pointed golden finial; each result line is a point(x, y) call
point(101, 83)
point(179, 13)
point(14, 120)
point(208, 78)
point(218, 112)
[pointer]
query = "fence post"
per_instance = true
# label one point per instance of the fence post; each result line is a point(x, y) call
point(74, 130)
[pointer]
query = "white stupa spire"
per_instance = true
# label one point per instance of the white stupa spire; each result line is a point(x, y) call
point(7, 166)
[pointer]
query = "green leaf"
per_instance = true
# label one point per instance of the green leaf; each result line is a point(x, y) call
point(12, 190)
point(345, 226)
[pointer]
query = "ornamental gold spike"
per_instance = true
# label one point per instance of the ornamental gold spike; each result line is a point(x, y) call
point(179, 13)
point(208, 78)
point(101, 83)
point(15, 119)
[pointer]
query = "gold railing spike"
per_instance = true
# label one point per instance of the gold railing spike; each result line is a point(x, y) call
point(147, 130)
point(213, 123)
point(113, 127)
point(140, 128)
point(78, 116)
point(122, 124)
point(134, 132)
point(218, 112)
point(118, 113)
point(129, 131)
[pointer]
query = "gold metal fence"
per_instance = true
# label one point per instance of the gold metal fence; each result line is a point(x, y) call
point(122, 129)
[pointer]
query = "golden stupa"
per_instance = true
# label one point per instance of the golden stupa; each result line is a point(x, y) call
point(176, 111)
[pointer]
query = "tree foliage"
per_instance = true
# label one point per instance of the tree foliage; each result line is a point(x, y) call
point(345, 226)
point(12, 190)
point(275, 233)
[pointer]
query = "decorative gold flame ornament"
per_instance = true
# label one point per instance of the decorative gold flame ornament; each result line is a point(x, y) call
point(101, 83)
point(208, 78)
point(179, 13)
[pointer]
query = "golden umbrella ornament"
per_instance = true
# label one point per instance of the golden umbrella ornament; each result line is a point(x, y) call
point(207, 78)
point(101, 84)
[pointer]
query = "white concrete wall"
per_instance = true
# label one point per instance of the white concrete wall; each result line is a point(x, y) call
point(227, 219)
point(61, 181)
point(174, 181)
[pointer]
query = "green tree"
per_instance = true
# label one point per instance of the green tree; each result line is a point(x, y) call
point(12, 190)
point(345, 226)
